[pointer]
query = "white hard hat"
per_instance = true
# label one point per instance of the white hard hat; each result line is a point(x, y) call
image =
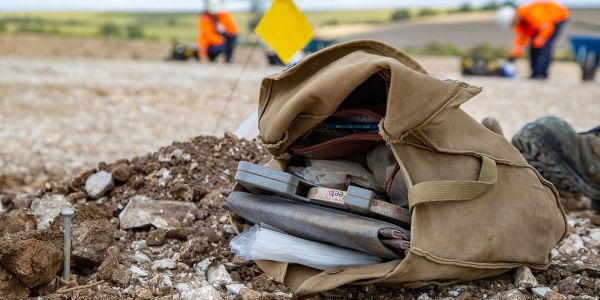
point(505, 16)
point(212, 6)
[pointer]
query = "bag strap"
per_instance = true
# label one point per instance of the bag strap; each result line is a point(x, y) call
point(454, 190)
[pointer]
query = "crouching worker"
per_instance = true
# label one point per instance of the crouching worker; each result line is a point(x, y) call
point(217, 32)
point(539, 23)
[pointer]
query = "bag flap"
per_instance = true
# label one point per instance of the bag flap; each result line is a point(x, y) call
point(296, 100)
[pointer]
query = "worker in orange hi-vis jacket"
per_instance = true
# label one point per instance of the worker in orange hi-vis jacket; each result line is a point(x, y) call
point(538, 23)
point(217, 32)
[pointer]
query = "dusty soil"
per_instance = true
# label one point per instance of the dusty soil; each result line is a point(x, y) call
point(132, 262)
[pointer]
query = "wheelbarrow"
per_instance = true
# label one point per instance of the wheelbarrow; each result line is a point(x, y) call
point(587, 50)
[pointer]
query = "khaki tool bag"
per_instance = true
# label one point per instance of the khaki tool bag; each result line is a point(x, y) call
point(478, 209)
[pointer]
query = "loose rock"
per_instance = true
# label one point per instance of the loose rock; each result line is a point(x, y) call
point(552, 295)
point(183, 287)
point(217, 275)
point(193, 250)
point(157, 237)
point(98, 184)
point(161, 285)
point(513, 294)
point(206, 293)
point(541, 291)
point(112, 270)
point(164, 264)
point(138, 272)
point(235, 288)
point(143, 211)
point(524, 278)
point(141, 257)
point(33, 261)
point(121, 172)
point(45, 209)
point(249, 294)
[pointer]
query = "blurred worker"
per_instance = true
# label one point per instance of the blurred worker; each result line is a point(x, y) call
point(538, 22)
point(217, 32)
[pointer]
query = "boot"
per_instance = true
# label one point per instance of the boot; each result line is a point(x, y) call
point(570, 160)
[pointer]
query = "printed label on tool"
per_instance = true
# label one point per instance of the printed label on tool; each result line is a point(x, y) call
point(326, 195)
point(388, 210)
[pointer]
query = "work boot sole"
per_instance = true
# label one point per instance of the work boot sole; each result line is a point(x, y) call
point(543, 151)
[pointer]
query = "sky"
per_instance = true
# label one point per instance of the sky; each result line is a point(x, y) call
point(195, 5)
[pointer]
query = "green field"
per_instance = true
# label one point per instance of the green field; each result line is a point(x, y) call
point(155, 26)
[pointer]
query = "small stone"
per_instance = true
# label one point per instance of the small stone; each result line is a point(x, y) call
point(23, 200)
point(91, 239)
point(235, 288)
point(138, 272)
point(249, 294)
point(121, 276)
point(141, 257)
point(157, 237)
point(552, 295)
point(45, 209)
point(513, 294)
point(143, 211)
point(524, 278)
point(540, 291)
point(121, 172)
point(183, 287)
point(161, 285)
point(139, 245)
point(112, 270)
point(453, 293)
point(143, 293)
point(594, 239)
point(282, 295)
point(228, 229)
point(205, 293)
point(181, 267)
point(98, 184)
point(424, 296)
point(193, 250)
point(571, 246)
point(217, 275)
point(164, 264)
point(203, 265)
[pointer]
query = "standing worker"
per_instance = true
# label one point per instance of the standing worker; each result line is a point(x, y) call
point(217, 32)
point(539, 21)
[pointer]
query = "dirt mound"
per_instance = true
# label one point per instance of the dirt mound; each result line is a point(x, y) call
point(125, 234)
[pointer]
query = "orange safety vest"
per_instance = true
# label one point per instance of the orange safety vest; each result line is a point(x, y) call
point(536, 21)
point(210, 28)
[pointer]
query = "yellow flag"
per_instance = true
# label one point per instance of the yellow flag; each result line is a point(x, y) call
point(285, 29)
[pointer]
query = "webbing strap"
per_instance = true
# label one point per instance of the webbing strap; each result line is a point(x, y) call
point(454, 190)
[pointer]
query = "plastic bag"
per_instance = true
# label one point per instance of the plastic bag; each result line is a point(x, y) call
point(260, 243)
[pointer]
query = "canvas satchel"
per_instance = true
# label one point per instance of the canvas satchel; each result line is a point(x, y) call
point(478, 209)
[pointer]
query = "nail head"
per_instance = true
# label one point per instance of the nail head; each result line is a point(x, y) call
point(67, 211)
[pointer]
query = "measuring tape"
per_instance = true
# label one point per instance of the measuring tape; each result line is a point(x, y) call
point(376, 207)
point(327, 195)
